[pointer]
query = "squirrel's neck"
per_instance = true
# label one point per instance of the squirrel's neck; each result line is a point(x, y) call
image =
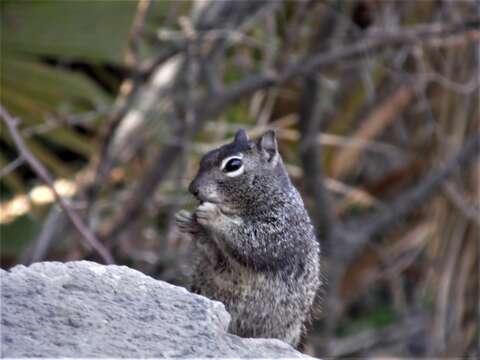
point(275, 193)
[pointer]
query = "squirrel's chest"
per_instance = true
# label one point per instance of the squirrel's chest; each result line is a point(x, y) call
point(234, 286)
point(232, 278)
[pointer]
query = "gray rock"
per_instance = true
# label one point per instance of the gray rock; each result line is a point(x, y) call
point(83, 309)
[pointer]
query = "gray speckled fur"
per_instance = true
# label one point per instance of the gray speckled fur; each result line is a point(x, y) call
point(257, 249)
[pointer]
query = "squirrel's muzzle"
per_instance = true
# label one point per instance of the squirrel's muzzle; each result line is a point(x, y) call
point(203, 190)
point(193, 188)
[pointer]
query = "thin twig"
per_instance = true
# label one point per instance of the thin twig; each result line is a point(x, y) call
point(470, 211)
point(132, 53)
point(126, 96)
point(44, 175)
point(11, 166)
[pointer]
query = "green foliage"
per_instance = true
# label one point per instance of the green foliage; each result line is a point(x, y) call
point(68, 29)
point(15, 236)
point(31, 89)
point(34, 91)
point(380, 317)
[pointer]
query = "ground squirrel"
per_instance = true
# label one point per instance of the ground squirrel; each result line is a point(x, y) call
point(257, 249)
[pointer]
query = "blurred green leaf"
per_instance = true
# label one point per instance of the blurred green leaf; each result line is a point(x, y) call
point(97, 31)
point(73, 141)
point(15, 236)
point(36, 88)
point(376, 319)
point(48, 158)
point(33, 90)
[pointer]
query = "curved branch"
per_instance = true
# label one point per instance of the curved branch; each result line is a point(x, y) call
point(44, 175)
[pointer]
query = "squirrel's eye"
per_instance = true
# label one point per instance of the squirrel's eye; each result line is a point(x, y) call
point(233, 165)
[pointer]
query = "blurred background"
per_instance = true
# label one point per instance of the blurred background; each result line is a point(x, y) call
point(376, 107)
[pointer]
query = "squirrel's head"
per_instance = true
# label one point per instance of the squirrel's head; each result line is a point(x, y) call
point(238, 172)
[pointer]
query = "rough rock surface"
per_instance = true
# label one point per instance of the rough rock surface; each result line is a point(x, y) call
point(83, 309)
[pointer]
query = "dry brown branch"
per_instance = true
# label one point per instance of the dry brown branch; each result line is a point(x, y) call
point(133, 48)
point(375, 123)
point(470, 211)
point(349, 193)
point(351, 241)
point(383, 221)
point(311, 117)
point(44, 175)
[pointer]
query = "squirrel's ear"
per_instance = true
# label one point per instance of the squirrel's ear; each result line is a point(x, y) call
point(241, 136)
point(268, 147)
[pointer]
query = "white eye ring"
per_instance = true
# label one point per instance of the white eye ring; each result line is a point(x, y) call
point(237, 172)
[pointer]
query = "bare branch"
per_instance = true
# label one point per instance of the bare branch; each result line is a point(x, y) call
point(44, 175)
point(412, 35)
point(146, 187)
point(470, 211)
point(311, 158)
point(126, 96)
point(132, 53)
point(11, 166)
point(53, 223)
point(311, 119)
point(383, 221)
point(374, 43)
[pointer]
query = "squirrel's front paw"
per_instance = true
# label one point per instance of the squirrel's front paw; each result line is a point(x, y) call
point(186, 222)
point(207, 213)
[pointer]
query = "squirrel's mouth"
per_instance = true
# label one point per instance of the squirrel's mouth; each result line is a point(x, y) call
point(204, 199)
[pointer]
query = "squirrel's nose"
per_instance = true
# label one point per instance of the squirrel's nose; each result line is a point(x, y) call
point(193, 188)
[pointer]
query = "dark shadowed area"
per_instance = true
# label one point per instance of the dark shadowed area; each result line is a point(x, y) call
point(106, 108)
